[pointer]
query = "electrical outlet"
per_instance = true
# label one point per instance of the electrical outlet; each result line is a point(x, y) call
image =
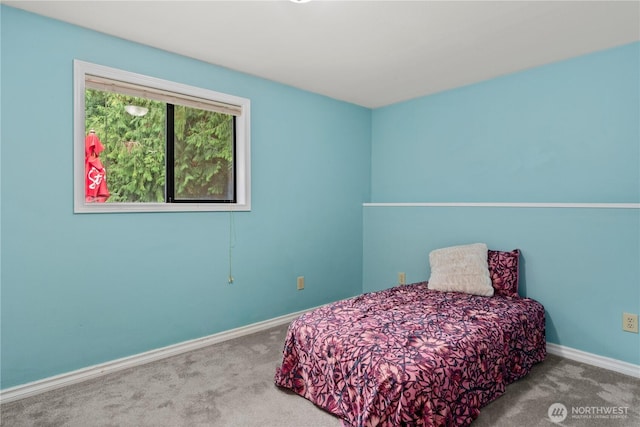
point(300, 283)
point(402, 279)
point(630, 322)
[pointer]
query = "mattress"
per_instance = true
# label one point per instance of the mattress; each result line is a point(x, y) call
point(409, 355)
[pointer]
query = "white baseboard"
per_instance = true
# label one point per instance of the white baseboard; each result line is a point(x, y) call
point(74, 377)
point(595, 360)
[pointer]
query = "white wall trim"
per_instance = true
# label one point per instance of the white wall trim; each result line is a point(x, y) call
point(595, 360)
point(80, 375)
point(52, 383)
point(509, 205)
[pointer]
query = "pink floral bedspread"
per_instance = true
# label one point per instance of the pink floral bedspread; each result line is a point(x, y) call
point(411, 356)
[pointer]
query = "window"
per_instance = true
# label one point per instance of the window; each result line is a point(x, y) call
point(145, 144)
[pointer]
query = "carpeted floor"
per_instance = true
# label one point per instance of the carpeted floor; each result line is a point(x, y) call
point(231, 384)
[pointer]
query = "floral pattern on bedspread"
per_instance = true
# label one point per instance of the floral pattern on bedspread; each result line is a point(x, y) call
point(411, 356)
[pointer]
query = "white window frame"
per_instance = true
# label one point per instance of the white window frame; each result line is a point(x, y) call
point(242, 150)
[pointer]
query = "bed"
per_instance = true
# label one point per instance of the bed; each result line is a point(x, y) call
point(413, 355)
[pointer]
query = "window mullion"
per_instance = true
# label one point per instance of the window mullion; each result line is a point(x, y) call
point(170, 155)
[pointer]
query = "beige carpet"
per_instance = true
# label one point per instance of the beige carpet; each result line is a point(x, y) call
point(231, 384)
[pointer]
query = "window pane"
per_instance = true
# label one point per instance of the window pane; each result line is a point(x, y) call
point(203, 155)
point(132, 131)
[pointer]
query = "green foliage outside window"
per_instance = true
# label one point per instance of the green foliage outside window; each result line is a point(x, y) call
point(135, 146)
point(203, 154)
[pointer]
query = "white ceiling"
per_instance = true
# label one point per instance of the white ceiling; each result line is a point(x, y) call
point(370, 53)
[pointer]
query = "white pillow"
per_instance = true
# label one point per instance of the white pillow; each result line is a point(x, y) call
point(461, 269)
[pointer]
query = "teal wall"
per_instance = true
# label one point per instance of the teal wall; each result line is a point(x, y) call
point(78, 290)
point(564, 132)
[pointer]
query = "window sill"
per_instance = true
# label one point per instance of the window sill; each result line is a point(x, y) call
point(159, 207)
